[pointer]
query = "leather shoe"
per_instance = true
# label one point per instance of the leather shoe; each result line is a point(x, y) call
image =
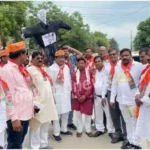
point(89, 134)
point(72, 126)
point(110, 135)
point(136, 147)
point(98, 133)
point(79, 134)
point(116, 139)
point(126, 145)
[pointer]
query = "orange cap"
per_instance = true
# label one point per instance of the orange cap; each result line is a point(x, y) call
point(4, 53)
point(16, 46)
point(60, 53)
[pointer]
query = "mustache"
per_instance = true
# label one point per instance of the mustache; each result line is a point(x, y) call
point(40, 61)
point(125, 59)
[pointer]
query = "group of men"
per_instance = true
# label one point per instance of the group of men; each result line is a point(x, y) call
point(111, 85)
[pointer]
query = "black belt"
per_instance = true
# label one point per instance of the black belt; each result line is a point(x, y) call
point(100, 96)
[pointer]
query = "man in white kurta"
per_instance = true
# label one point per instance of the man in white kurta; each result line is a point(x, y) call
point(100, 101)
point(143, 122)
point(61, 77)
point(39, 125)
point(124, 86)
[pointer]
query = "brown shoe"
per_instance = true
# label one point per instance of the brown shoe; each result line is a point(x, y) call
point(90, 134)
point(79, 134)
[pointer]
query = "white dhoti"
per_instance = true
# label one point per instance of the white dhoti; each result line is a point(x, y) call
point(79, 122)
point(130, 125)
point(99, 117)
point(56, 124)
point(39, 125)
point(39, 137)
point(143, 124)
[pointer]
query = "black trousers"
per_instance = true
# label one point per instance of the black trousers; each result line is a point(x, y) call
point(105, 121)
point(50, 53)
point(70, 118)
point(117, 118)
point(15, 139)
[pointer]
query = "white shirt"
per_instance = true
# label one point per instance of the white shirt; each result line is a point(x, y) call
point(120, 86)
point(101, 79)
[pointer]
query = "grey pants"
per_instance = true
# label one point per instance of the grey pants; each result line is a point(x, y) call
point(50, 53)
point(117, 118)
point(70, 118)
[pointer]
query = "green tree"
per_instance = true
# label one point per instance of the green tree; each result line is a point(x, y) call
point(12, 19)
point(79, 37)
point(113, 44)
point(16, 15)
point(99, 39)
point(142, 38)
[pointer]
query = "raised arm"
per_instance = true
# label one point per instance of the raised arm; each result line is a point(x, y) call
point(73, 50)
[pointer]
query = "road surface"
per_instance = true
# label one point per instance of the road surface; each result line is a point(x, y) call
point(85, 142)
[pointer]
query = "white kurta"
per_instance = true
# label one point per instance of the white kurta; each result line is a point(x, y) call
point(120, 86)
point(2, 115)
point(2, 118)
point(62, 92)
point(48, 113)
point(143, 122)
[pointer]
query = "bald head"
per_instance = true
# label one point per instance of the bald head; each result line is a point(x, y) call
point(102, 47)
point(103, 52)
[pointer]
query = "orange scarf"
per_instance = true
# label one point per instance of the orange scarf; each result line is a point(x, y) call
point(67, 62)
point(3, 89)
point(142, 87)
point(60, 76)
point(2, 65)
point(27, 78)
point(108, 57)
point(147, 67)
point(90, 62)
point(144, 82)
point(128, 74)
point(45, 74)
point(112, 70)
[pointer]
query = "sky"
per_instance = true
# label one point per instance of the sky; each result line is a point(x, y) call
point(117, 19)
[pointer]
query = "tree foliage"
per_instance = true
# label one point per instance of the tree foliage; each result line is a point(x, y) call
point(113, 44)
point(142, 38)
point(24, 15)
point(12, 19)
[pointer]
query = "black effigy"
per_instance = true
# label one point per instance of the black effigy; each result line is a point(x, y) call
point(47, 31)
